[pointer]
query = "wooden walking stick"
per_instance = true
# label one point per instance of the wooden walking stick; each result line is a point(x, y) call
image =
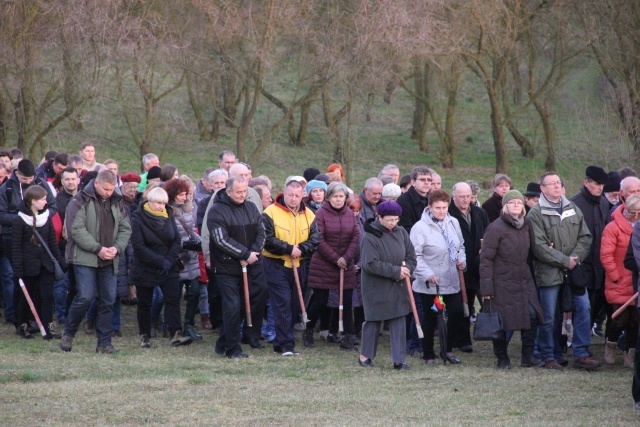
point(412, 301)
point(340, 306)
point(32, 307)
point(625, 305)
point(297, 280)
point(247, 302)
point(463, 290)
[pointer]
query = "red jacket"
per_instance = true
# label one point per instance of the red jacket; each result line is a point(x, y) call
point(618, 285)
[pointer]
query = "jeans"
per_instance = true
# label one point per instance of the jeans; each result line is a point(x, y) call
point(203, 305)
point(92, 282)
point(156, 306)
point(268, 327)
point(92, 313)
point(581, 323)
point(60, 298)
point(6, 279)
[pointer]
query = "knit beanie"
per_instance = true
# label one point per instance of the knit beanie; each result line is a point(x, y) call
point(512, 195)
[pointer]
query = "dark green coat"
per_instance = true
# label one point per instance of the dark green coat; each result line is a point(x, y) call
point(384, 295)
point(568, 233)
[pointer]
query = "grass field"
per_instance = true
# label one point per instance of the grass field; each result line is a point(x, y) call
point(322, 386)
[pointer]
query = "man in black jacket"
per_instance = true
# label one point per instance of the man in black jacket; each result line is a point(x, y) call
point(590, 272)
point(473, 223)
point(237, 237)
point(414, 200)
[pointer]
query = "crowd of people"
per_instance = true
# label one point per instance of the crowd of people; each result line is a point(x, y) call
point(259, 261)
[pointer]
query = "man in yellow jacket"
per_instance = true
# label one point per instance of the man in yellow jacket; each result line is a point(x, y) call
point(291, 238)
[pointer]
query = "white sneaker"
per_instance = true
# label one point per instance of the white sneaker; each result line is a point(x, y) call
point(290, 353)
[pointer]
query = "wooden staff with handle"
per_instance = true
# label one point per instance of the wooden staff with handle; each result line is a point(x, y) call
point(412, 301)
point(340, 305)
point(305, 319)
point(247, 302)
point(463, 290)
point(32, 307)
point(625, 305)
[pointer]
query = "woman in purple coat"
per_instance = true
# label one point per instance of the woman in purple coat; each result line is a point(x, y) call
point(338, 250)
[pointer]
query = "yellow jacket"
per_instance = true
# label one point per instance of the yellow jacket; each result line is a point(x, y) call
point(284, 229)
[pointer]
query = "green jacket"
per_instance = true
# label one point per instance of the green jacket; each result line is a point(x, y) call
point(568, 233)
point(82, 228)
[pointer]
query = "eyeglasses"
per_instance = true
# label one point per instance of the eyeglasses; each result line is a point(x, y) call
point(515, 203)
point(390, 220)
point(552, 183)
point(635, 214)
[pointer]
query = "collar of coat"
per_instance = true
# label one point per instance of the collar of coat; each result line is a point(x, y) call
point(41, 218)
point(547, 209)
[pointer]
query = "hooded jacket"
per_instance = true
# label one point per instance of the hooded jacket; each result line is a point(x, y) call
point(618, 286)
point(235, 230)
point(83, 227)
point(284, 229)
point(11, 195)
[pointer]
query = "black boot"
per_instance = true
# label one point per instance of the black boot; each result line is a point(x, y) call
point(190, 332)
point(347, 344)
point(528, 359)
point(307, 338)
point(51, 334)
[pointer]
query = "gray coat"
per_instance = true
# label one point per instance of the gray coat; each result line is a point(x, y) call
point(433, 255)
point(187, 230)
point(382, 251)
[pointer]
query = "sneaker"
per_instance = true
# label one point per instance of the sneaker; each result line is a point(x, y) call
point(290, 352)
point(66, 343)
point(334, 338)
point(89, 327)
point(401, 366)
point(504, 364)
point(146, 342)
point(597, 330)
point(324, 334)
point(106, 349)
point(467, 348)
point(179, 339)
point(415, 353)
point(637, 406)
point(238, 355)
point(277, 349)
point(472, 318)
point(586, 363)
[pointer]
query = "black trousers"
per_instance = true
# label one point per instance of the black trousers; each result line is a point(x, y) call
point(40, 289)
point(635, 386)
point(319, 305)
point(528, 337)
point(231, 290)
point(171, 290)
point(455, 322)
point(215, 301)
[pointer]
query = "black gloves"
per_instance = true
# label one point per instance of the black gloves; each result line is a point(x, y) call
point(192, 245)
point(166, 266)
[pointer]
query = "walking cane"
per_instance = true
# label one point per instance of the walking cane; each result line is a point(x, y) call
point(247, 303)
point(463, 290)
point(340, 306)
point(625, 305)
point(297, 280)
point(412, 301)
point(33, 309)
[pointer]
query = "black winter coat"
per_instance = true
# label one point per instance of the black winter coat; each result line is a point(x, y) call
point(412, 205)
point(27, 258)
point(11, 200)
point(235, 230)
point(472, 236)
point(153, 239)
point(595, 211)
point(493, 207)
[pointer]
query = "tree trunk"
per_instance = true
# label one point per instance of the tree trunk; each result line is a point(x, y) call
point(203, 128)
point(70, 88)
point(301, 139)
point(502, 161)
point(545, 117)
point(3, 121)
point(229, 97)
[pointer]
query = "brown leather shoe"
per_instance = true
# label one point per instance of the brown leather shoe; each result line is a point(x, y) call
point(586, 363)
point(552, 364)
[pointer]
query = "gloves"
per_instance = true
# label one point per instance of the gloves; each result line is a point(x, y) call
point(192, 245)
point(166, 266)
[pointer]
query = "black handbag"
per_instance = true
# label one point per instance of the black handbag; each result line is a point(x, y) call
point(58, 271)
point(488, 325)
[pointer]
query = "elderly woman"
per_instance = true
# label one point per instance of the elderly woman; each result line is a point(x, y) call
point(316, 191)
point(618, 285)
point(506, 282)
point(439, 247)
point(387, 259)
point(177, 191)
point(337, 250)
point(156, 250)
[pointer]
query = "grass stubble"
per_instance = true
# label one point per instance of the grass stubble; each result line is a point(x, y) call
point(323, 386)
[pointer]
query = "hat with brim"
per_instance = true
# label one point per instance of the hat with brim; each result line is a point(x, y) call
point(533, 190)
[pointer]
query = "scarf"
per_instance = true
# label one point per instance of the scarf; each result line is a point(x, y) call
point(41, 219)
point(162, 214)
point(451, 245)
point(518, 222)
